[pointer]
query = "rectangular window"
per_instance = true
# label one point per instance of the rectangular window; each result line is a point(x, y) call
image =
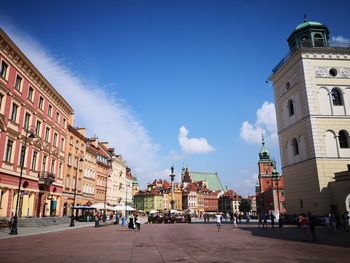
point(49, 111)
point(301, 203)
point(8, 151)
point(23, 154)
point(41, 103)
point(60, 170)
point(52, 166)
point(67, 181)
point(69, 159)
point(64, 123)
point(47, 134)
point(55, 136)
point(62, 144)
point(37, 129)
point(3, 72)
point(73, 182)
point(14, 112)
point(57, 117)
point(30, 93)
point(26, 120)
point(35, 155)
point(44, 163)
point(18, 83)
point(1, 100)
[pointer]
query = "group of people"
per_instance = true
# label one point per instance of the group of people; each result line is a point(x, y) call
point(132, 223)
point(234, 217)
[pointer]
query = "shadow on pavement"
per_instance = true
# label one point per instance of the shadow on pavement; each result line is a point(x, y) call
point(293, 233)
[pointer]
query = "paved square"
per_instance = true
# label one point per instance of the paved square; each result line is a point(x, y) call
point(197, 242)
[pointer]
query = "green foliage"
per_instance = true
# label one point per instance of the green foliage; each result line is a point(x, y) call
point(245, 206)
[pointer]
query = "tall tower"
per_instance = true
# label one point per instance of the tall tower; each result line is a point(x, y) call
point(312, 99)
point(269, 189)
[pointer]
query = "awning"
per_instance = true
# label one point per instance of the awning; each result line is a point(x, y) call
point(122, 208)
point(102, 206)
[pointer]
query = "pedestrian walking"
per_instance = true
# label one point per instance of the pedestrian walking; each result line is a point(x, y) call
point(116, 218)
point(345, 217)
point(97, 218)
point(265, 217)
point(312, 225)
point(234, 222)
point(138, 222)
point(281, 220)
point(304, 226)
point(131, 222)
point(327, 222)
point(333, 222)
point(123, 223)
point(272, 217)
point(218, 221)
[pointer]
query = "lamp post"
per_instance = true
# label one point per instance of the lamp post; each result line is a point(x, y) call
point(172, 176)
point(80, 159)
point(30, 133)
point(276, 177)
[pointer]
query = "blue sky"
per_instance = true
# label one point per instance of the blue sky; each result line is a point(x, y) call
point(170, 82)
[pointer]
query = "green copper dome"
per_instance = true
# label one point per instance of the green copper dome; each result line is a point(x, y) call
point(308, 23)
point(309, 34)
point(264, 153)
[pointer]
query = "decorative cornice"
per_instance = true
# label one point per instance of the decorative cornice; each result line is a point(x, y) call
point(324, 72)
point(13, 53)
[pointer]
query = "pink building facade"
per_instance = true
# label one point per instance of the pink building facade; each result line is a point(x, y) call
point(29, 102)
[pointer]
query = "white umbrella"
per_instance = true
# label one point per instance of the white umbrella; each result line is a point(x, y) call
point(101, 206)
point(153, 211)
point(122, 208)
point(173, 211)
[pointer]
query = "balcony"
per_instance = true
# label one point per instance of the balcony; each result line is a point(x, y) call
point(316, 45)
point(46, 178)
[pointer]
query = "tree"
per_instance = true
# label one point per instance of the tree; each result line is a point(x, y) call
point(245, 206)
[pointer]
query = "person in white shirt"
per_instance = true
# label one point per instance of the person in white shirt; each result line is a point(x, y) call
point(218, 221)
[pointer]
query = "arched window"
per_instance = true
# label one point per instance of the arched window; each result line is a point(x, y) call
point(318, 40)
point(291, 108)
point(295, 146)
point(336, 97)
point(343, 139)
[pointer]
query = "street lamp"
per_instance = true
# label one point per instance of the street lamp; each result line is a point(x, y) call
point(276, 177)
point(30, 133)
point(75, 190)
point(172, 176)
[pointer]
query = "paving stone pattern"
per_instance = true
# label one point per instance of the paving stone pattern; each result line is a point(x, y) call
point(197, 242)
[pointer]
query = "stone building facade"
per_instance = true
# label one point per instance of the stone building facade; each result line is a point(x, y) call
point(312, 99)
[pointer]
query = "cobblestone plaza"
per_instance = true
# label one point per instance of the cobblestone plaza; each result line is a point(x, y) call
point(196, 242)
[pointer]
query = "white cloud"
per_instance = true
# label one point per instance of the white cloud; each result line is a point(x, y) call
point(102, 113)
point(193, 145)
point(265, 124)
point(339, 39)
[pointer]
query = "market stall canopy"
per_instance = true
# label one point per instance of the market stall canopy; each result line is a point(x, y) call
point(101, 206)
point(173, 211)
point(83, 207)
point(122, 208)
point(153, 211)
